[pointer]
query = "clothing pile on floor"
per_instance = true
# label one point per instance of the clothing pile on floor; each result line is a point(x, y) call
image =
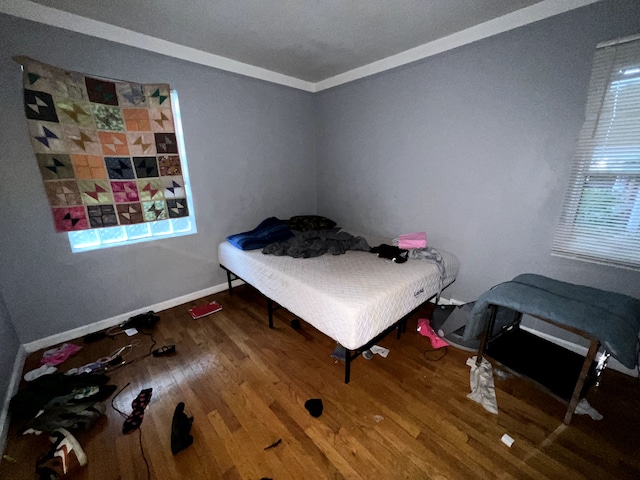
point(61, 401)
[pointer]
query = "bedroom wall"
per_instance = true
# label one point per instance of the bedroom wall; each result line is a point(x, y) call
point(251, 154)
point(9, 347)
point(473, 146)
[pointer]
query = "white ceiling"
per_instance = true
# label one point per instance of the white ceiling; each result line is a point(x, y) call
point(308, 44)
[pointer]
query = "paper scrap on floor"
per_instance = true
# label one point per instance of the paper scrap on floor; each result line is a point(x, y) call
point(383, 352)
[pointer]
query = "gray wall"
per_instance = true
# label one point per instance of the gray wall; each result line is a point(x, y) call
point(251, 154)
point(473, 146)
point(9, 346)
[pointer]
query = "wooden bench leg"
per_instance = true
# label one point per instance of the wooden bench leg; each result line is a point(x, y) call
point(486, 334)
point(577, 391)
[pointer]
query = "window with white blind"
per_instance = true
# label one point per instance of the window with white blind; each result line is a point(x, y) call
point(600, 221)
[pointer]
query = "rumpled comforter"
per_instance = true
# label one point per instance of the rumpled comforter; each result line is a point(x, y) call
point(612, 318)
point(429, 254)
point(314, 243)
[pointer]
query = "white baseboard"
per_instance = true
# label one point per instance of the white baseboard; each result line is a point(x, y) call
point(118, 319)
point(12, 389)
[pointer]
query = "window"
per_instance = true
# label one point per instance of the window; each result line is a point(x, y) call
point(600, 221)
point(83, 240)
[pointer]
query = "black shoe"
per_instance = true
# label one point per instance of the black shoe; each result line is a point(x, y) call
point(142, 320)
point(164, 351)
point(180, 428)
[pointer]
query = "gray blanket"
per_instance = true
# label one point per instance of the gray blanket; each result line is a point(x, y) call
point(430, 254)
point(314, 243)
point(612, 318)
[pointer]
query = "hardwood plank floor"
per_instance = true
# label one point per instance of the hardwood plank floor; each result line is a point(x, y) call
point(404, 416)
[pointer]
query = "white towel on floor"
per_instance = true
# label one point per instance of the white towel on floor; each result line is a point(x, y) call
point(482, 386)
point(583, 408)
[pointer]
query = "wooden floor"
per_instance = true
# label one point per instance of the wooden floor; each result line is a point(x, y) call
point(404, 416)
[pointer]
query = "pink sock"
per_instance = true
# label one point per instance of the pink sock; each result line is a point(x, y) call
point(60, 354)
point(426, 330)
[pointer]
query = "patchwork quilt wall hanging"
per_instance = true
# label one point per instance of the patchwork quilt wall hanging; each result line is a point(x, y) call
point(107, 150)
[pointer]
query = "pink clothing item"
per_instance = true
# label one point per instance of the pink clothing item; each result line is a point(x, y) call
point(60, 354)
point(413, 240)
point(426, 330)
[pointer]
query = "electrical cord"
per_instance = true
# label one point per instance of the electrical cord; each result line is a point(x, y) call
point(114, 331)
point(444, 351)
point(137, 359)
point(124, 415)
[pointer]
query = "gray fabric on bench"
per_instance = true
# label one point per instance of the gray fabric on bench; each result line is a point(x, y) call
point(613, 318)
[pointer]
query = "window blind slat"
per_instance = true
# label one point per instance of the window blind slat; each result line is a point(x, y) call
point(600, 221)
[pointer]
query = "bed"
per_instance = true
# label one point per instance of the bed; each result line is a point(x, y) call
point(354, 298)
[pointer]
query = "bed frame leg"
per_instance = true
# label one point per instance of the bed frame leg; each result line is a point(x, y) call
point(347, 366)
point(270, 311)
point(229, 282)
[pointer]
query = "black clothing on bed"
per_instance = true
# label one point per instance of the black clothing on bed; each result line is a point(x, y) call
point(390, 252)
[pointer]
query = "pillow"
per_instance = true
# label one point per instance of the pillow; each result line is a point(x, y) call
point(305, 223)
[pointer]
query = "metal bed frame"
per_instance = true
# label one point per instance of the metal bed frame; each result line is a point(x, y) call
point(400, 325)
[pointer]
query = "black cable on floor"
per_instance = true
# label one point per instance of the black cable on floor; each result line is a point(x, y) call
point(139, 429)
point(440, 357)
point(153, 344)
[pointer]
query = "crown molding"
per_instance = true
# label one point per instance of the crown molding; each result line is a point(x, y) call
point(69, 21)
point(75, 23)
point(519, 18)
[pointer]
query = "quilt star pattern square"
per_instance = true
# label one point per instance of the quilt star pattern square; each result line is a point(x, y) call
point(106, 150)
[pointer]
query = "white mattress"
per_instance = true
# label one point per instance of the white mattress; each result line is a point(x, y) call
point(351, 297)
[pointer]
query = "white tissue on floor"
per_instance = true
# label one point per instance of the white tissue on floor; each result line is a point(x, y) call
point(383, 352)
point(583, 408)
point(482, 386)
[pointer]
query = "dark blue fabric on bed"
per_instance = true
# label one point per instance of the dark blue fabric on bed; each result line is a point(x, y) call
point(612, 318)
point(267, 232)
